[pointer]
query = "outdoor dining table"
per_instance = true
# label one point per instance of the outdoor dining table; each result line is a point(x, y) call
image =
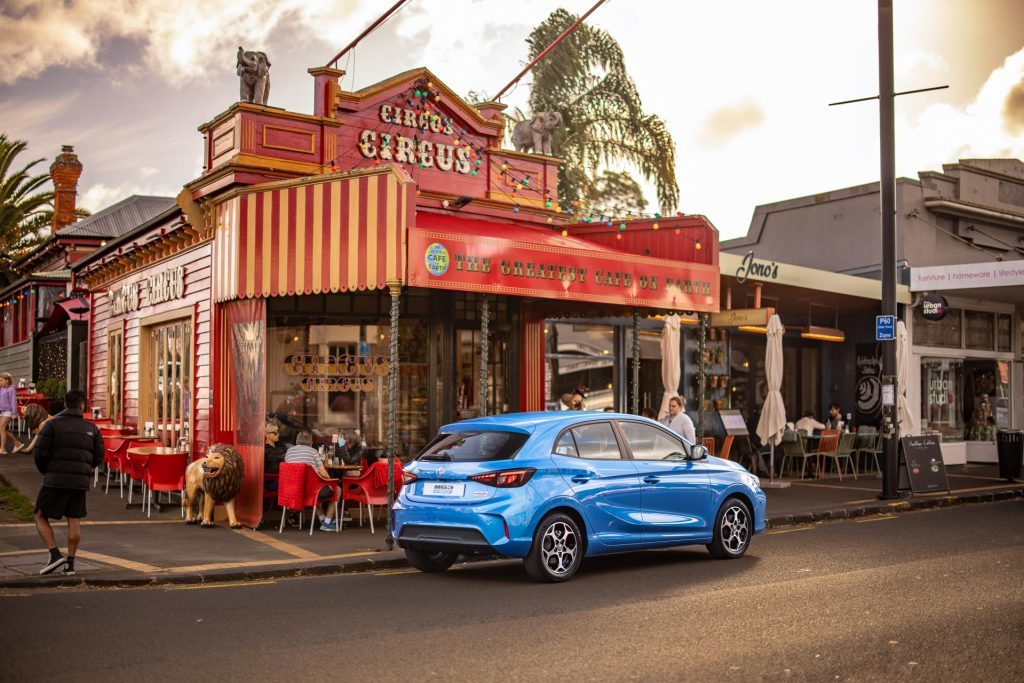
point(148, 452)
point(343, 470)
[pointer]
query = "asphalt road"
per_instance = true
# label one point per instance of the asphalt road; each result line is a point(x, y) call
point(933, 595)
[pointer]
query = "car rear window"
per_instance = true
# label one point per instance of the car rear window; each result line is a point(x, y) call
point(474, 446)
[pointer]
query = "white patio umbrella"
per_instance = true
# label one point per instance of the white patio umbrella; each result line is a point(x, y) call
point(669, 361)
point(903, 415)
point(772, 424)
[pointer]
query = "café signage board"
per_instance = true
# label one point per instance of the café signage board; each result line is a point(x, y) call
point(922, 464)
point(166, 285)
point(742, 316)
point(504, 266)
point(325, 372)
point(968, 276)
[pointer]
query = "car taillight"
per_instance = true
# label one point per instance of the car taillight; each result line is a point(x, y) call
point(506, 479)
point(408, 477)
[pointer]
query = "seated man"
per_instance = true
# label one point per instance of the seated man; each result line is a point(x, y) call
point(303, 452)
point(273, 454)
point(808, 424)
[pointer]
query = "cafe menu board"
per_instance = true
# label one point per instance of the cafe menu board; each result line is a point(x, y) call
point(733, 422)
point(922, 462)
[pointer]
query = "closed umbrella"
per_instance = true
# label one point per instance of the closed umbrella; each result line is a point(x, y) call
point(772, 424)
point(906, 420)
point(669, 361)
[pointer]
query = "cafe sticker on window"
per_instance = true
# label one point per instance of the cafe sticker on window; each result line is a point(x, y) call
point(437, 259)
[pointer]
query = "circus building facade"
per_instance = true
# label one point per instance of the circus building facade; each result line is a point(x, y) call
point(376, 269)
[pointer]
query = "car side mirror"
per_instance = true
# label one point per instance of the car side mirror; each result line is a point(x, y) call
point(698, 453)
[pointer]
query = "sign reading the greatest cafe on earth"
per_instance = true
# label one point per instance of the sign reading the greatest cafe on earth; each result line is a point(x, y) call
point(501, 266)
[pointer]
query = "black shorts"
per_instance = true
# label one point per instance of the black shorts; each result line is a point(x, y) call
point(55, 503)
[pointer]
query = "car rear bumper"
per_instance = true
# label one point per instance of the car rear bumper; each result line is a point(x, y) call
point(469, 530)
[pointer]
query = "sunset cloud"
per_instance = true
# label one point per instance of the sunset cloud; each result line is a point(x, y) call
point(727, 122)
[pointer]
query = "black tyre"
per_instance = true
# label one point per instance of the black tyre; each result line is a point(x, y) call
point(734, 525)
point(430, 561)
point(557, 549)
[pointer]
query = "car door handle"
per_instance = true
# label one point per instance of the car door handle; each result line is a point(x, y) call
point(580, 478)
point(651, 479)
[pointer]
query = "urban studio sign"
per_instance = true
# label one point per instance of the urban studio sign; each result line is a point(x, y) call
point(166, 285)
point(758, 269)
point(933, 307)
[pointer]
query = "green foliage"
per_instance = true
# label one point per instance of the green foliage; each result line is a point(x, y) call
point(617, 193)
point(25, 207)
point(603, 122)
point(12, 499)
point(54, 387)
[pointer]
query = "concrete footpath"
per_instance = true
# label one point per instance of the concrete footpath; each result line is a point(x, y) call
point(121, 547)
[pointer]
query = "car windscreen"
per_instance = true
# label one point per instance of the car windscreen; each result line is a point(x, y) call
point(474, 446)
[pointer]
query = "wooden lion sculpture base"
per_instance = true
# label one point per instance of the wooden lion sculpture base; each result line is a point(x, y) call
point(215, 478)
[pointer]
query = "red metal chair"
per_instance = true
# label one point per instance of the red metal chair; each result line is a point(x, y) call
point(371, 488)
point(165, 473)
point(111, 430)
point(133, 466)
point(313, 484)
point(112, 458)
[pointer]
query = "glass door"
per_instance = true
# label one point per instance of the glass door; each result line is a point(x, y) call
point(170, 406)
point(467, 374)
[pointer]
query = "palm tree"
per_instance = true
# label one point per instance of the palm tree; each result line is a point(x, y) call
point(25, 208)
point(603, 122)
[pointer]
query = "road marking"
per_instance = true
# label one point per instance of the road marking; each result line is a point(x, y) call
point(118, 561)
point(789, 531)
point(255, 563)
point(397, 571)
point(277, 544)
point(879, 518)
point(221, 585)
point(974, 476)
point(123, 522)
point(831, 486)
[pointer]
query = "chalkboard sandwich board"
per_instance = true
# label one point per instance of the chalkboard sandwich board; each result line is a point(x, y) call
point(922, 462)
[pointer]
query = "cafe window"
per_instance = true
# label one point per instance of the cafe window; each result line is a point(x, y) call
point(986, 401)
point(945, 332)
point(1004, 332)
point(941, 389)
point(115, 378)
point(168, 403)
point(332, 379)
point(980, 330)
point(580, 356)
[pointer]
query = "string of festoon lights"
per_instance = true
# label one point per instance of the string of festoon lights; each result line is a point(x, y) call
point(16, 298)
point(420, 104)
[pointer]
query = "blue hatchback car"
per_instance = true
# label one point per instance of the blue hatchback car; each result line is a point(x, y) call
point(554, 487)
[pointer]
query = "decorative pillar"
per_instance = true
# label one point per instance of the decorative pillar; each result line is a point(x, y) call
point(395, 287)
point(635, 404)
point(701, 377)
point(485, 320)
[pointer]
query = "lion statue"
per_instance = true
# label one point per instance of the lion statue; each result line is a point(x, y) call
point(535, 134)
point(217, 478)
point(253, 69)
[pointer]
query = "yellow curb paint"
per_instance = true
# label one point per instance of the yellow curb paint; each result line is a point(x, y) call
point(901, 505)
point(221, 585)
point(278, 544)
point(254, 563)
point(117, 561)
point(973, 476)
point(124, 522)
point(879, 518)
point(789, 531)
point(395, 573)
point(12, 553)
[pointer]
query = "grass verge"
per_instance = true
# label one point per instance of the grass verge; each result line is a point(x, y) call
point(12, 499)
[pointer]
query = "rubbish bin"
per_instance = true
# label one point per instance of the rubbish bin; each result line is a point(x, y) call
point(1010, 448)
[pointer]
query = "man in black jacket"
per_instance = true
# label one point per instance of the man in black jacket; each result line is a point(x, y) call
point(67, 450)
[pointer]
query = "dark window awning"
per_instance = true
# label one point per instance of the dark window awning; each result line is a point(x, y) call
point(72, 310)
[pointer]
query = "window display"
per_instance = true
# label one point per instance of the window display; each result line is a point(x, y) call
point(941, 386)
point(986, 399)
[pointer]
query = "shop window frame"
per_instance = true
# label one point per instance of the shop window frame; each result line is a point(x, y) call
point(146, 377)
point(115, 335)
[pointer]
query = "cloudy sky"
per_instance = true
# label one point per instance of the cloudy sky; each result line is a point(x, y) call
point(742, 84)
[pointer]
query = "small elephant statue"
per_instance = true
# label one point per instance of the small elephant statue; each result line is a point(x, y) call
point(253, 69)
point(535, 134)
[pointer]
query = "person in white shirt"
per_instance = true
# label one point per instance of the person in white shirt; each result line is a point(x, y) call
point(808, 424)
point(678, 421)
point(304, 453)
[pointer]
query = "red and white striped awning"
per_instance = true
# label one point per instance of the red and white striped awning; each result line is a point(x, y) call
point(335, 233)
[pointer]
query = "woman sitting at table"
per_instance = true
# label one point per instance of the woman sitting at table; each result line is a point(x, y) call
point(35, 416)
point(8, 411)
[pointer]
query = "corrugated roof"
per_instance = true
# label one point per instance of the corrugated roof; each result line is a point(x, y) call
point(64, 274)
point(120, 218)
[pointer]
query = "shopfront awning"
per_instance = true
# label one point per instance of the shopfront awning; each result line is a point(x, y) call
point(452, 252)
point(336, 233)
point(75, 309)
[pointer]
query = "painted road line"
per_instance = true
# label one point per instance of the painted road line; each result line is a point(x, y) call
point(878, 518)
point(397, 572)
point(255, 563)
point(12, 553)
point(830, 486)
point(973, 476)
point(277, 544)
point(237, 584)
point(789, 531)
point(123, 522)
point(117, 561)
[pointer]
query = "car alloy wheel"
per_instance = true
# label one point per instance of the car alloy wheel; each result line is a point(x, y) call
point(733, 527)
point(557, 549)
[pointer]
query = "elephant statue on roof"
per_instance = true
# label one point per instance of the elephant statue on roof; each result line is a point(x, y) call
point(253, 69)
point(535, 134)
